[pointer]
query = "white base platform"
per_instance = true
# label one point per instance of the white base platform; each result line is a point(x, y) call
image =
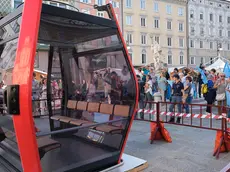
point(129, 164)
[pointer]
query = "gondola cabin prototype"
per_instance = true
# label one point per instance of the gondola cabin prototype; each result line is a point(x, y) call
point(90, 93)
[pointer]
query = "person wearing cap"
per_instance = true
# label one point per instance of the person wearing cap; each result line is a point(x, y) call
point(177, 93)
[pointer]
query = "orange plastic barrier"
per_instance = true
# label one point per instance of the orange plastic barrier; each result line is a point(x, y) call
point(222, 143)
point(158, 132)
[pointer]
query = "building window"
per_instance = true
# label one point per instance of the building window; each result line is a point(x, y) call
point(229, 33)
point(169, 59)
point(181, 42)
point(143, 39)
point(169, 25)
point(180, 11)
point(142, 4)
point(220, 18)
point(211, 17)
point(192, 30)
point(220, 33)
point(192, 60)
point(169, 9)
point(115, 4)
point(202, 60)
point(100, 14)
point(201, 16)
point(54, 4)
point(156, 23)
point(157, 39)
point(85, 1)
point(228, 46)
point(211, 45)
point(156, 7)
point(143, 57)
point(129, 20)
point(169, 41)
point(192, 43)
point(202, 31)
point(17, 3)
point(181, 27)
point(129, 3)
point(201, 44)
point(191, 14)
point(62, 5)
point(181, 59)
point(210, 31)
point(220, 45)
point(143, 22)
point(211, 60)
point(100, 2)
point(228, 20)
point(129, 38)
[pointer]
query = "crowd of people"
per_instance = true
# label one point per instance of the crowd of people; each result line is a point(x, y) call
point(39, 94)
point(182, 87)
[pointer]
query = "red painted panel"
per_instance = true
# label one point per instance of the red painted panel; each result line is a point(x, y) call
point(22, 75)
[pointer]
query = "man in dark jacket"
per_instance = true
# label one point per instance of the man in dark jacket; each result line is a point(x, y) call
point(177, 93)
point(141, 85)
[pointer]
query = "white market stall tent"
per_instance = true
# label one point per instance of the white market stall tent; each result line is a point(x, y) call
point(218, 64)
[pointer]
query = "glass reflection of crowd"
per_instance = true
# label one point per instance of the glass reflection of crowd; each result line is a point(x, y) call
point(108, 85)
point(39, 94)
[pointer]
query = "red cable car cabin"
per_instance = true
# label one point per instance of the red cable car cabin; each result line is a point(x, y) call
point(89, 118)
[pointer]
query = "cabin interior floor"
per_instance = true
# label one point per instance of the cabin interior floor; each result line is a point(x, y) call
point(75, 152)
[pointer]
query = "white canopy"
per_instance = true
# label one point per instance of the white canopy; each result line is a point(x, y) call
point(218, 65)
point(170, 69)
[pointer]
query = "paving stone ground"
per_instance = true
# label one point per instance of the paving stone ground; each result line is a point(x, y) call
point(190, 151)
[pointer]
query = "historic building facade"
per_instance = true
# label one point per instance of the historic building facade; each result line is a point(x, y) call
point(86, 6)
point(161, 21)
point(209, 30)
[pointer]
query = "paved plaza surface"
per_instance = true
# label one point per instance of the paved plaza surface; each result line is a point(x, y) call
point(190, 151)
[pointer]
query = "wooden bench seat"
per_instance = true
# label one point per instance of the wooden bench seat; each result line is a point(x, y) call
point(45, 144)
point(108, 109)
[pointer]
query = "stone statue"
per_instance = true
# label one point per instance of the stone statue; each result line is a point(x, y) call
point(157, 56)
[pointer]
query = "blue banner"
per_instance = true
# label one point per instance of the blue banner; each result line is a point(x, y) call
point(228, 98)
point(203, 76)
point(226, 70)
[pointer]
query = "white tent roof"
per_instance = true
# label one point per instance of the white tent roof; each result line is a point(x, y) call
point(218, 65)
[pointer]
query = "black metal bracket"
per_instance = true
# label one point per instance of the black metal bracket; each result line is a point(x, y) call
point(106, 8)
point(11, 99)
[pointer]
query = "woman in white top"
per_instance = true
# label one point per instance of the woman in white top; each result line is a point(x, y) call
point(148, 94)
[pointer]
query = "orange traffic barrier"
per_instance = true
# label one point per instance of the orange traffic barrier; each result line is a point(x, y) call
point(158, 132)
point(222, 142)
